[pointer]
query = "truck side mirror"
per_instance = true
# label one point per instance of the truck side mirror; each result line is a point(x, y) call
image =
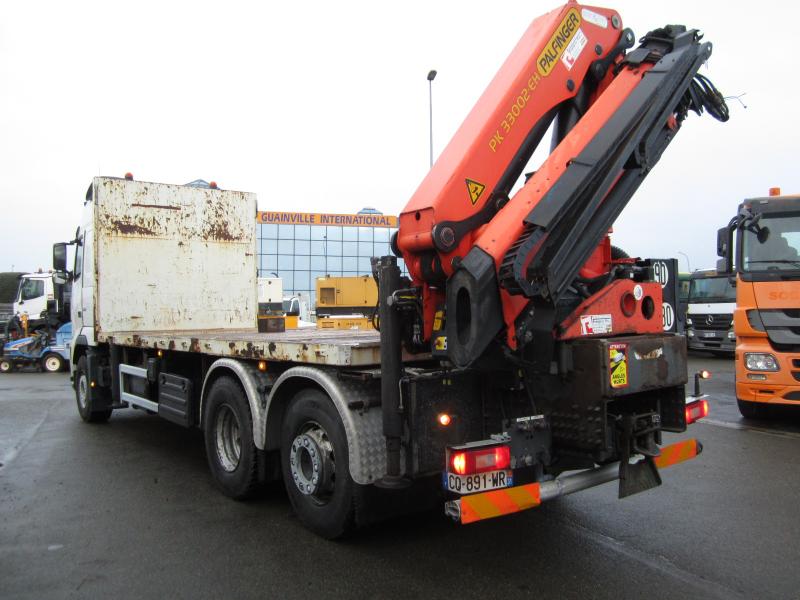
point(722, 242)
point(60, 257)
point(725, 251)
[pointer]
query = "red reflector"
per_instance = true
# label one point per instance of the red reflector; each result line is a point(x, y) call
point(480, 460)
point(696, 410)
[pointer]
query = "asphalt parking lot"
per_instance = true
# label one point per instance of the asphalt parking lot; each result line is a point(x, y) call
point(127, 509)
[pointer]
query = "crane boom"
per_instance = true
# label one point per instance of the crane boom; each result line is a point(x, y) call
point(486, 257)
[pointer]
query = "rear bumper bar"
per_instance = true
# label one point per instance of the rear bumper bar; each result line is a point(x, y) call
point(496, 503)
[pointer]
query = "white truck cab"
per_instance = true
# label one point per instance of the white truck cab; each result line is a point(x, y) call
point(35, 289)
point(709, 317)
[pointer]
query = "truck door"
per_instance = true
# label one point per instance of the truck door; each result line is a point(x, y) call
point(31, 299)
point(83, 287)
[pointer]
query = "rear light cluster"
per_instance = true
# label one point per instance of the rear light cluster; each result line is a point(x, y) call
point(481, 460)
point(696, 410)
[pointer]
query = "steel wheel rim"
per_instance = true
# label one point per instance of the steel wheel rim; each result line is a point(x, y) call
point(312, 463)
point(52, 364)
point(82, 391)
point(228, 438)
point(5, 366)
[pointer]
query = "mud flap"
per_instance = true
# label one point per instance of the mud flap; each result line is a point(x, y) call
point(637, 477)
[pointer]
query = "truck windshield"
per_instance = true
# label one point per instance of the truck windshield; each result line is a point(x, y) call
point(773, 244)
point(291, 307)
point(712, 289)
point(30, 289)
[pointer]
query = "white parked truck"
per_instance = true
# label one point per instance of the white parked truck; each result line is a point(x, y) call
point(42, 300)
point(518, 362)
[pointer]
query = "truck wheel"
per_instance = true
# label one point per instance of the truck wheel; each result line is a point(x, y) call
point(5, 366)
point(751, 410)
point(228, 431)
point(82, 396)
point(314, 459)
point(52, 363)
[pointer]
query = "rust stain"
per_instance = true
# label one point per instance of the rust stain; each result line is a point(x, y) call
point(171, 345)
point(218, 231)
point(194, 345)
point(215, 226)
point(124, 228)
point(272, 347)
point(156, 206)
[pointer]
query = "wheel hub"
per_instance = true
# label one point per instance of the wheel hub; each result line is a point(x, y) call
point(228, 439)
point(311, 463)
point(83, 391)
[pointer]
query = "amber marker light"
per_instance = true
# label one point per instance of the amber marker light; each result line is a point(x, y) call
point(444, 419)
point(262, 365)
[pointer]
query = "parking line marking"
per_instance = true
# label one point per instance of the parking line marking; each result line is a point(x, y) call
point(730, 425)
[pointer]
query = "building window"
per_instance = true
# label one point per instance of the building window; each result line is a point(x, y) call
point(300, 254)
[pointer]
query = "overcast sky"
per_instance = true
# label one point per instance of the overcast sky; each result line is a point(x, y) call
point(323, 106)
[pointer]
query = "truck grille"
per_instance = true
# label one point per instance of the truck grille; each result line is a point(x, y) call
point(707, 321)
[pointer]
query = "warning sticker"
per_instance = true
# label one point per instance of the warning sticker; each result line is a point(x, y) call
point(440, 343)
point(618, 365)
point(574, 49)
point(594, 324)
point(475, 190)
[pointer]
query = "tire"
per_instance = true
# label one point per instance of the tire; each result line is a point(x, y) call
point(228, 431)
point(314, 460)
point(751, 410)
point(52, 363)
point(6, 366)
point(82, 396)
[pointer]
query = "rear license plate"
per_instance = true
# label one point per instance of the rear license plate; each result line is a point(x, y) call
point(480, 482)
point(710, 334)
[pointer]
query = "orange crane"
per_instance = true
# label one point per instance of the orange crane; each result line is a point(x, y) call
point(520, 283)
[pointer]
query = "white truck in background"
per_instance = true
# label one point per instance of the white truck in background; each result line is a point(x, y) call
point(41, 301)
point(709, 313)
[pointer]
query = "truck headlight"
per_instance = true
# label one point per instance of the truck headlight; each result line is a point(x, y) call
point(731, 335)
point(690, 332)
point(760, 361)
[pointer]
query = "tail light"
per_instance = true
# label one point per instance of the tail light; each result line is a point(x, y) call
point(696, 410)
point(479, 460)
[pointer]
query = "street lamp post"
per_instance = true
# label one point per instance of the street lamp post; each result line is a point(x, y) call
point(686, 256)
point(431, 77)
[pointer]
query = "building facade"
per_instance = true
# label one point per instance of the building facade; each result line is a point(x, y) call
point(299, 247)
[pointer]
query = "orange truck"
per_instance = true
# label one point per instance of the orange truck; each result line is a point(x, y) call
point(765, 259)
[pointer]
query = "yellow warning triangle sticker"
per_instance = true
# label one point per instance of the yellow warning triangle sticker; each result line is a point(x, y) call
point(475, 190)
